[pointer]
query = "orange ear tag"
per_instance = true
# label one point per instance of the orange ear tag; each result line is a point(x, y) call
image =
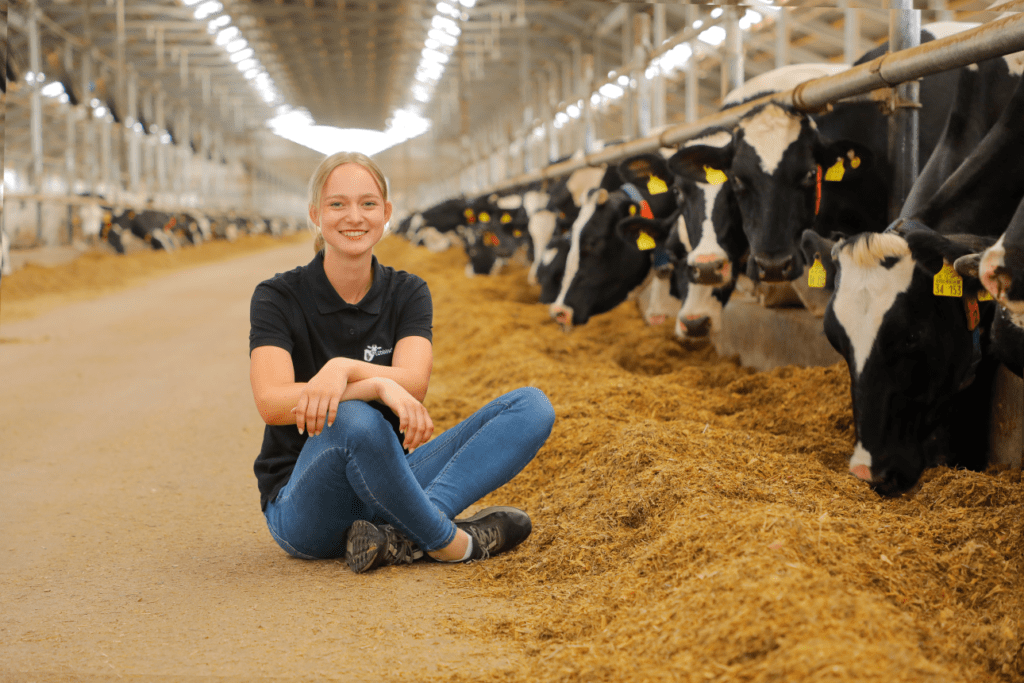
point(645, 242)
point(645, 210)
point(854, 159)
point(656, 185)
point(468, 213)
point(714, 176)
point(491, 240)
point(973, 315)
point(816, 276)
point(836, 171)
point(947, 282)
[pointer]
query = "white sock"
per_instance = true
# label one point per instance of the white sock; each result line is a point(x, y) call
point(469, 551)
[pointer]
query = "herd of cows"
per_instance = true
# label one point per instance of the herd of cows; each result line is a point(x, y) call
point(127, 229)
point(923, 309)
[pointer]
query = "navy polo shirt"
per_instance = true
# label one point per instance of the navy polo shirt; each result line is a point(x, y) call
point(300, 312)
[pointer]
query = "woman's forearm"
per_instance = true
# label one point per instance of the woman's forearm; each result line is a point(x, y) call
point(276, 404)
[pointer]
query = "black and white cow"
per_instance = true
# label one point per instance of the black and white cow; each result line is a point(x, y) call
point(605, 263)
point(554, 219)
point(920, 376)
point(906, 316)
point(1001, 270)
point(437, 227)
point(791, 172)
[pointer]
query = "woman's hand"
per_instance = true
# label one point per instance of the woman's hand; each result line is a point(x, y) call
point(413, 419)
point(318, 402)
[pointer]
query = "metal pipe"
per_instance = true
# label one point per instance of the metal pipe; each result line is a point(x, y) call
point(904, 33)
point(993, 39)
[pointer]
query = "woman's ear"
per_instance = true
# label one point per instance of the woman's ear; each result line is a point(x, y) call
point(313, 216)
point(387, 211)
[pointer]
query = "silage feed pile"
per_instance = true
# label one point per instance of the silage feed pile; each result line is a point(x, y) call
point(694, 520)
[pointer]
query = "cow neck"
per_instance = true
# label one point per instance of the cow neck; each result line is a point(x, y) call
point(973, 313)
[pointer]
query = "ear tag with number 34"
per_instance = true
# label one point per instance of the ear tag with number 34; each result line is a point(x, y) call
point(947, 282)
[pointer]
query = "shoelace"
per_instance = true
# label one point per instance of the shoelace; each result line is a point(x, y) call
point(400, 550)
point(483, 539)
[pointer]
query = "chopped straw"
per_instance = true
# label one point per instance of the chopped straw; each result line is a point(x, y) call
point(694, 520)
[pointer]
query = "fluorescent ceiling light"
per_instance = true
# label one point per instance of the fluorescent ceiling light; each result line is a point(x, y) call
point(298, 126)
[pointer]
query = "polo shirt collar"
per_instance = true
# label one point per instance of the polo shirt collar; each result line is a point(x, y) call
point(327, 299)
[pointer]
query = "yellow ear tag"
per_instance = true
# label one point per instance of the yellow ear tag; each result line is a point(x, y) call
point(836, 171)
point(485, 217)
point(854, 160)
point(517, 233)
point(947, 282)
point(714, 176)
point(506, 218)
point(645, 242)
point(632, 209)
point(816, 276)
point(656, 185)
point(984, 295)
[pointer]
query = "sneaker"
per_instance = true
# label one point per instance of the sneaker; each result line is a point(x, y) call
point(495, 530)
point(369, 546)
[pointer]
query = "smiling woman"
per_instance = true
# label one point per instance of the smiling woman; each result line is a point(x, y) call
point(340, 360)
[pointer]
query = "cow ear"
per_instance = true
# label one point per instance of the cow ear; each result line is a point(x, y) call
point(843, 160)
point(702, 163)
point(967, 266)
point(645, 233)
point(649, 172)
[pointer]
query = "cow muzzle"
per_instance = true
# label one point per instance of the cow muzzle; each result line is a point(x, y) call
point(710, 271)
point(562, 315)
point(775, 269)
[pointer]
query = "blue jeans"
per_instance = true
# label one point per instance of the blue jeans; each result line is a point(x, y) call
point(356, 469)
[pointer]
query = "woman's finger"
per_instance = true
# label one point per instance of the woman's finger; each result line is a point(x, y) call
point(300, 413)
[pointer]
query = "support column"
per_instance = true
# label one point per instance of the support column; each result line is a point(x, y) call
point(641, 49)
point(734, 71)
point(691, 93)
point(904, 32)
point(587, 116)
point(36, 115)
point(851, 33)
point(782, 37)
point(659, 112)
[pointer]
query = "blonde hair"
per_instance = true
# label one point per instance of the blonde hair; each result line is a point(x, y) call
point(319, 179)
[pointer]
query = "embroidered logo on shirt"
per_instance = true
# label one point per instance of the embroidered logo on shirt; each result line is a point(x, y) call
point(372, 351)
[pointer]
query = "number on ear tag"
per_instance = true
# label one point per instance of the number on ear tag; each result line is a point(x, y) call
point(816, 276)
point(714, 176)
point(645, 242)
point(947, 282)
point(835, 172)
point(656, 185)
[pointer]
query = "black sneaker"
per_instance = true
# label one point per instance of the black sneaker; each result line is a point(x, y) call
point(495, 530)
point(369, 546)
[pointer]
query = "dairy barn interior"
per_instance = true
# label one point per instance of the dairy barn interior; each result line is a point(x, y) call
point(214, 112)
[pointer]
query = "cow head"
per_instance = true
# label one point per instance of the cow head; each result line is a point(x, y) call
point(910, 353)
point(600, 269)
point(709, 221)
point(783, 174)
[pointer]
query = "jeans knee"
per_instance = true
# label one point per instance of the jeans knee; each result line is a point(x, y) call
point(359, 422)
point(538, 407)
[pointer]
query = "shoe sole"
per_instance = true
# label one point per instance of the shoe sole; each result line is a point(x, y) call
point(364, 544)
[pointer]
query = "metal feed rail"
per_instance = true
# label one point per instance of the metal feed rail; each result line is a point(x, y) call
point(993, 39)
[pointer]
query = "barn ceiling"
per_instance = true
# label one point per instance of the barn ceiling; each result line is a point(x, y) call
point(353, 64)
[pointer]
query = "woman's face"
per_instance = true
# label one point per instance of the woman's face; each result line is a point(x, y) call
point(352, 212)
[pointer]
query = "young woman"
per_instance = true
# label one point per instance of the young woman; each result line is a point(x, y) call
point(340, 359)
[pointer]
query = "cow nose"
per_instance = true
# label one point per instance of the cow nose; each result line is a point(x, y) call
point(697, 325)
point(774, 269)
point(562, 315)
point(708, 272)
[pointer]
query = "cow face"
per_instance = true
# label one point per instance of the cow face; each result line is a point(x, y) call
point(1002, 269)
point(709, 220)
point(600, 269)
point(783, 172)
point(910, 353)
